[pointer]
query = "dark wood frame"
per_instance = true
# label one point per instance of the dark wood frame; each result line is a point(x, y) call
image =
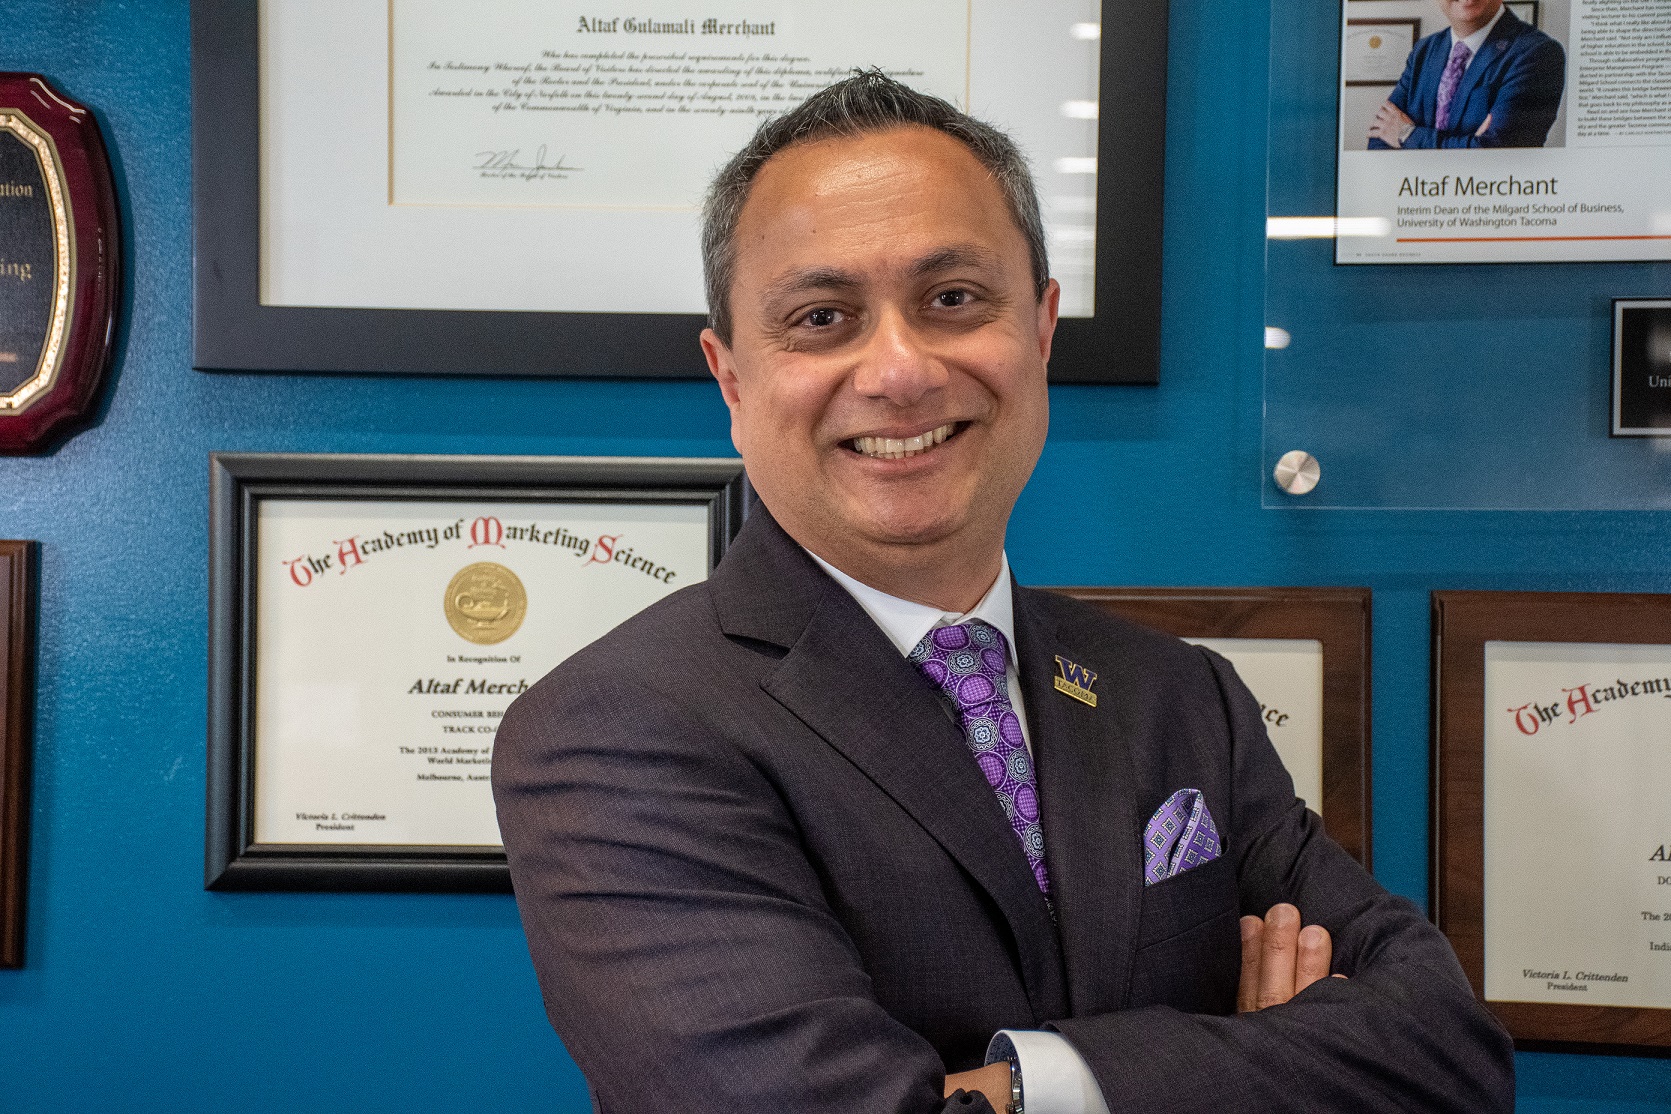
point(1617, 428)
point(1415, 26)
point(1339, 618)
point(1463, 622)
point(96, 244)
point(17, 690)
point(237, 483)
point(232, 331)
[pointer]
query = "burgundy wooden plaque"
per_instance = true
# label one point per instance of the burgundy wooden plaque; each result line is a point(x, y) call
point(1337, 617)
point(59, 264)
point(16, 691)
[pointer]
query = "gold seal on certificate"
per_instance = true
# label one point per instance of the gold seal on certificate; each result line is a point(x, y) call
point(485, 603)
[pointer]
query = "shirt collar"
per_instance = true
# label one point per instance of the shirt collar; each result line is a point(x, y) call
point(905, 622)
point(1477, 39)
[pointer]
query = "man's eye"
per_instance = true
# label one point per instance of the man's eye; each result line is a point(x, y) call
point(951, 299)
point(823, 318)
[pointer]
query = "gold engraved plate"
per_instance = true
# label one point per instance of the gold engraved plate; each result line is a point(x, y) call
point(485, 603)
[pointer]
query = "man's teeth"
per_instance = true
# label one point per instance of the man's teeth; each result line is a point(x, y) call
point(893, 448)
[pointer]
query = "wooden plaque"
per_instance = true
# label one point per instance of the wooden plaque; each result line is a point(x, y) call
point(1338, 618)
point(1482, 642)
point(59, 264)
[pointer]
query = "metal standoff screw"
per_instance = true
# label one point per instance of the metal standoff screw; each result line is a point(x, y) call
point(1297, 472)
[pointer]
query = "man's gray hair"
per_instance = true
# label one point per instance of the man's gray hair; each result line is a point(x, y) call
point(869, 101)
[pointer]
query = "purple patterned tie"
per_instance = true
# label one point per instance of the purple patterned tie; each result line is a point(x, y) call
point(1449, 81)
point(968, 663)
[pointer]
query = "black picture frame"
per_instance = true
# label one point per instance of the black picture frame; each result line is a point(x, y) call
point(1641, 378)
point(232, 331)
point(18, 561)
point(233, 860)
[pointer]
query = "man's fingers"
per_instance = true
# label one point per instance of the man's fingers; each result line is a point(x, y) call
point(1316, 953)
point(1247, 992)
point(1277, 957)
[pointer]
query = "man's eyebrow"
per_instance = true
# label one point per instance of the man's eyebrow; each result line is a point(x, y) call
point(811, 278)
point(947, 259)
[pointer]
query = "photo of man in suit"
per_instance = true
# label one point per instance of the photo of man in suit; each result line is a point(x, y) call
point(1490, 79)
point(861, 825)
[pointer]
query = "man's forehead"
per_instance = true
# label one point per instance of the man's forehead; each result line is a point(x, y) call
point(836, 168)
point(914, 195)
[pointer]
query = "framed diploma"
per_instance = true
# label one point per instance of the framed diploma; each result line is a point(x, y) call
point(1552, 792)
point(417, 186)
point(17, 621)
point(1375, 49)
point(60, 264)
point(1304, 653)
point(373, 616)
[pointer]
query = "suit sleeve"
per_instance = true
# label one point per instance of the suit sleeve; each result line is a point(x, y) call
point(684, 949)
point(1402, 1032)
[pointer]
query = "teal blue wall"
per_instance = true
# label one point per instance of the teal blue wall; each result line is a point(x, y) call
point(144, 993)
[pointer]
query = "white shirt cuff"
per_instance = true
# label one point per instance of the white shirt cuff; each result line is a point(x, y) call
point(1054, 1077)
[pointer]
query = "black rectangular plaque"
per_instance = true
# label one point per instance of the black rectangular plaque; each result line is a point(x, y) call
point(1642, 367)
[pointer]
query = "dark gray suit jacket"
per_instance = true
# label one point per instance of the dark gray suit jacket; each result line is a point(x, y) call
point(759, 871)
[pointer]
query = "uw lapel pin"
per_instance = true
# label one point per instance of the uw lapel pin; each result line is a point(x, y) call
point(1075, 680)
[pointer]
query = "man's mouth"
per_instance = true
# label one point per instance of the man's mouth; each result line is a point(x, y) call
point(893, 448)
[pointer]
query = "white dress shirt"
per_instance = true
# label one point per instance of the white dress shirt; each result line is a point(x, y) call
point(1477, 39)
point(1055, 1078)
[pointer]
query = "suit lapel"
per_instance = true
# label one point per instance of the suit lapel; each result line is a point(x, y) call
point(1490, 53)
point(849, 684)
point(1092, 844)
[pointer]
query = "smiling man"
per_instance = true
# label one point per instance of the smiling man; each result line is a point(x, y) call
point(860, 825)
point(1488, 80)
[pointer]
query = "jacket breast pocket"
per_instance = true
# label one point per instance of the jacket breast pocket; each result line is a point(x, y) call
point(1189, 947)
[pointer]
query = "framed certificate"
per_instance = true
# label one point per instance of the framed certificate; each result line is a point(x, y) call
point(1552, 792)
point(371, 617)
point(1304, 652)
point(417, 186)
point(1375, 49)
point(1641, 367)
point(17, 676)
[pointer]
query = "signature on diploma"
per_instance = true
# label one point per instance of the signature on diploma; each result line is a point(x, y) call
point(509, 164)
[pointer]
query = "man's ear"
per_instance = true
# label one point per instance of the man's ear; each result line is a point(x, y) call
point(724, 370)
point(1049, 306)
point(721, 366)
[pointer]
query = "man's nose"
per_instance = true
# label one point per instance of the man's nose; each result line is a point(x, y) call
point(897, 363)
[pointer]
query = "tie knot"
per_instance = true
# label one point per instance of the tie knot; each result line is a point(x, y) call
point(1460, 54)
point(967, 661)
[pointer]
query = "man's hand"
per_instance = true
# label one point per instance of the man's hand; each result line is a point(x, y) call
point(1391, 125)
point(993, 1081)
point(1280, 959)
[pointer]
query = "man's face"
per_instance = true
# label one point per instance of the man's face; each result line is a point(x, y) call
point(1469, 16)
point(886, 371)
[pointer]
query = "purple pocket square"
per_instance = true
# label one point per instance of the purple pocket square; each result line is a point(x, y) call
point(1180, 836)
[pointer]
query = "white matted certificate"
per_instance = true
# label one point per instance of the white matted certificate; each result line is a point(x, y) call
point(1578, 823)
point(537, 156)
point(391, 636)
